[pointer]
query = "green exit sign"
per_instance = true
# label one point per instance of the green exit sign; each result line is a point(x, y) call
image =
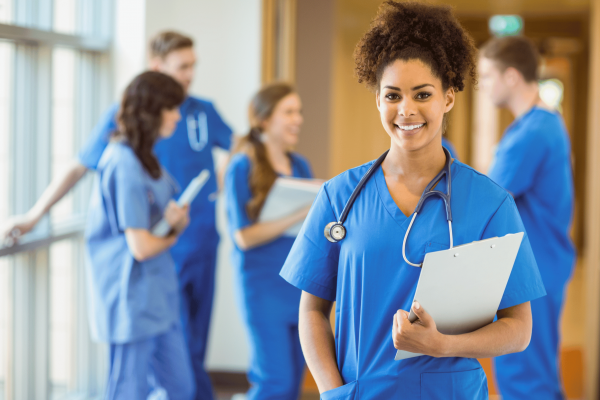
point(506, 25)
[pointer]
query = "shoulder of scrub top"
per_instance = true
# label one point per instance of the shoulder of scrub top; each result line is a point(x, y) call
point(340, 188)
point(542, 126)
point(239, 162)
point(206, 104)
point(303, 163)
point(489, 196)
point(119, 156)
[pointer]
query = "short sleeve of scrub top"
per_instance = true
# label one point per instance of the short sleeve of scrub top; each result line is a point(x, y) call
point(238, 191)
point(129, 195)
point(517, 159)
point(90, 153)
point(525, 282)
point(222, 130)
point(312, 264)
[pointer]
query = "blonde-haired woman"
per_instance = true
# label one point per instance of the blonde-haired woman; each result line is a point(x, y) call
point(269, 305)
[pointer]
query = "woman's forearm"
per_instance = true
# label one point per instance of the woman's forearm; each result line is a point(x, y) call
point(509, 334)
point(317, 340)
point(144, 245)
point(263, 232)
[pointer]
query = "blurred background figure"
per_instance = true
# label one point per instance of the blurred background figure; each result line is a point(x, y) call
point(64, 65)
point(184, 154)
point(133, 284)
point(533, 162)
point(268, 304)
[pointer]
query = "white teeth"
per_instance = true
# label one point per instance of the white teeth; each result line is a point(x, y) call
point(410, 127)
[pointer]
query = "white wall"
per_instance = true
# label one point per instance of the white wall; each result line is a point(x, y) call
point(227, 35)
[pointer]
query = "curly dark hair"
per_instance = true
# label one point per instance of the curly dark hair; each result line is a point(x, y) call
point(140, 115)
point(409, 31)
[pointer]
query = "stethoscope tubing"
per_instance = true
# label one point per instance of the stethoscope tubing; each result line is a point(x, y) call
point(446, 197)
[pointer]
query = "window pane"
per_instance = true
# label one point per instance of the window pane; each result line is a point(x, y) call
point(64, 16)
point(6, 59)
point(62, 329)
point(63, 105)
point(6, 11)
point(4, 322)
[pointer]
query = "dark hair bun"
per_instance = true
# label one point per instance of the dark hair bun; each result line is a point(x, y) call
point(411, 30)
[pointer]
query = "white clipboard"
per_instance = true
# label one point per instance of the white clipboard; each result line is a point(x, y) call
point(288, 195)
point(162, 227)
point(461, 288)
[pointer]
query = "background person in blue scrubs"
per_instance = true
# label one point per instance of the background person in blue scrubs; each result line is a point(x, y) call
point(134, 294)
point(184, 155)
point(415, 57)
point(533, 162)
point(448, 145)
point(269, 305)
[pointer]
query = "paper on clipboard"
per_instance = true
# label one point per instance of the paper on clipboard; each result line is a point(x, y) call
point(287, 196)
point(461, 288)
point(162, 228)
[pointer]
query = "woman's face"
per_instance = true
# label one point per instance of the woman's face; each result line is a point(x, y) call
point(412, 104)
point(283, 126)
point(170, 118)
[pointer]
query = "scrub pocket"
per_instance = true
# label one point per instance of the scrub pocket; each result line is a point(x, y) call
point(345, 392)
point(463, 385)
point(434, 246)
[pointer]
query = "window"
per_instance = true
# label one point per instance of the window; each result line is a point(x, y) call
point(6, 11)
point(63, 122)
point(53, 88)
point(6, 60)
point(5, 263)
point(65, 12)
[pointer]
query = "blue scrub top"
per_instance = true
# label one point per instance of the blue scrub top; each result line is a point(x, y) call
point(533, 162)
point(448, 145)
point(369, 280)
point(264, 294)
point(187, 152)
point(130, 300)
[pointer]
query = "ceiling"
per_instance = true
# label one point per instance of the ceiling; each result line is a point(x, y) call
point(489, 7)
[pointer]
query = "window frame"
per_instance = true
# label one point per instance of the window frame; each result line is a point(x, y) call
point(30, 135)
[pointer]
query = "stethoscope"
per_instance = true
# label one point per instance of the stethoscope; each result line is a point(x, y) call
point(200, 123)
point(335, 231)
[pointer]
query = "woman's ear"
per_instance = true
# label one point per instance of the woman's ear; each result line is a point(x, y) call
point(450, 96)
point(377, 99)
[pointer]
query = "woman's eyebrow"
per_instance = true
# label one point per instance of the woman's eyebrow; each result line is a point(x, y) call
point(415, 88)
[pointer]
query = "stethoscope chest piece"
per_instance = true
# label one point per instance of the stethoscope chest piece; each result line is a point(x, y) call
point(335, 231)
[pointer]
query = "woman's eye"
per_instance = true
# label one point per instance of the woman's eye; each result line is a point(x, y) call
point(392, 96)
point(423, 95)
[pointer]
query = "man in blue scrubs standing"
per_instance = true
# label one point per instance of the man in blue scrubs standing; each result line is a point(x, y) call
point(533, 162)
point(187, 152)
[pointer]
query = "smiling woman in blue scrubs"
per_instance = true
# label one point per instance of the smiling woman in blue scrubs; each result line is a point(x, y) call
point(415, 57)
point(133, 282)
point(269, 305)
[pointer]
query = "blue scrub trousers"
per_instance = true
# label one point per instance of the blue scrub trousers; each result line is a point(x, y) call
point(161, 360)
point(276, 360)
point(534, 373)
point(197, 284)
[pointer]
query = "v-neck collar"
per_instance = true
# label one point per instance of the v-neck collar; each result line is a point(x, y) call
point(389, 203)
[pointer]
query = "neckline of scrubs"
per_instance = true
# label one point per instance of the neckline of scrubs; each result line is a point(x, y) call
point(390, 204)
point(295, 170)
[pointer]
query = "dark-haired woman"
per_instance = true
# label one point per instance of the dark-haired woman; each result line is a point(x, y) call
point(133, 283)
point(269, 305)
point(415, 57)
